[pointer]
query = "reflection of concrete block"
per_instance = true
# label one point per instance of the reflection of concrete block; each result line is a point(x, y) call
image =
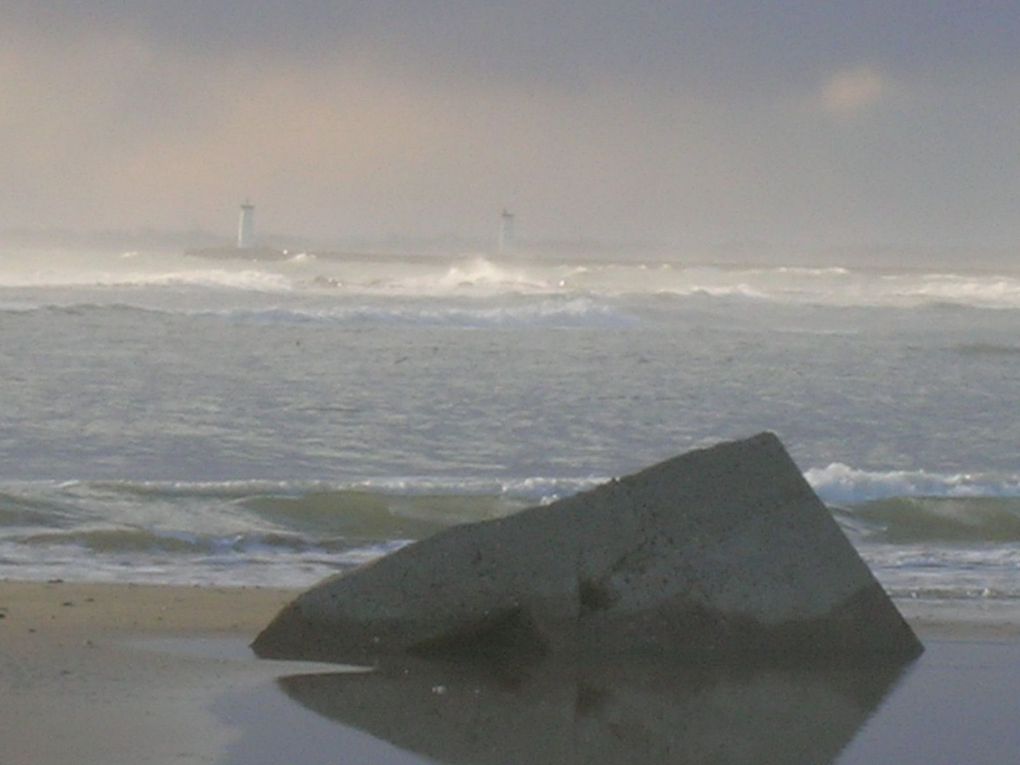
point(724, 550)
point(652, 713)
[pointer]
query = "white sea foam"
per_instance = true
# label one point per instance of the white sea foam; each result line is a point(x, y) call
point(577, 312)
point(72, 269)
point(481, 276)
point(239, 532)
point(842, 484)
point(480, 272)
point(248, 279)
point(978, 291)
point(477, 277)
point(718, 290)
point(805, 271)
point(296, 532)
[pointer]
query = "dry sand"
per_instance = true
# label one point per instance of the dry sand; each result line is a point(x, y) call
point(114, 673)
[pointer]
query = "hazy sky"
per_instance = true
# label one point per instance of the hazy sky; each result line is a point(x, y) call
point(792, 122)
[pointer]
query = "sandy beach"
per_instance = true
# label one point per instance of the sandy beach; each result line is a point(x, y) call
point(111, 673)
point(81, 680)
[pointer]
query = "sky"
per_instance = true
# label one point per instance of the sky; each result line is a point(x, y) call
point(803, 124)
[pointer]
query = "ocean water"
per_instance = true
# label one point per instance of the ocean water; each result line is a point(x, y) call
point(166, 418)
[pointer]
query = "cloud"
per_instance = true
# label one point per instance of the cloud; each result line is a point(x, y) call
point(852, 91)
point(702, 121)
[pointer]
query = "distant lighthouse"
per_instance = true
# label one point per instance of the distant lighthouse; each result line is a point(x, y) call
point(506, 231)
point(246, 227)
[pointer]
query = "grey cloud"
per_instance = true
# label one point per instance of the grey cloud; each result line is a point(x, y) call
point(740, 44)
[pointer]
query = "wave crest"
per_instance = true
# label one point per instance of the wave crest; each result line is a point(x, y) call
point(841, 484)
point(918, 520)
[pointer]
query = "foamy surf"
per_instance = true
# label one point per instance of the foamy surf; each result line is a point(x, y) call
point(238, 532)
point(841, 484)
point(482, 276)
point(521, 312)
point(292, 533)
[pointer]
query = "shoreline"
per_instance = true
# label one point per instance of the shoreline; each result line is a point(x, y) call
point(101, 608)
point(106, 607)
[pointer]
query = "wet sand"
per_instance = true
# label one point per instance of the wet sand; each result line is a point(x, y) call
point(79, 685)
point(147, 674)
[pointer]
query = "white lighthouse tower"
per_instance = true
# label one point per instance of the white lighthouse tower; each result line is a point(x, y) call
point(506, 232)
point(246, 227)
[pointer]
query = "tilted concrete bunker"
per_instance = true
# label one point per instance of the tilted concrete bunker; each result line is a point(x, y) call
point(721, 551)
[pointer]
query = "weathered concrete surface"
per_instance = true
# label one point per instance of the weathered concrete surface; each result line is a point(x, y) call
point(721, 550)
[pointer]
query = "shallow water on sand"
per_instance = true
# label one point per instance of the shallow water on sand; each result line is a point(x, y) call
point(956, 703)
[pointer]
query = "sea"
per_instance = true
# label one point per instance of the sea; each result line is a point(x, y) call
point(176, 419)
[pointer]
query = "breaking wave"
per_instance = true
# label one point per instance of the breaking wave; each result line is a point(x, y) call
point(912, 528)
point(249, 280)
point(843, 485)
point(119, 540)
point(915, 507)
point(480, 276)
point(916, 520)
point(402, 508)
point(579, 312)
point(238, 532)
point(522, 312)
point(253, 279)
